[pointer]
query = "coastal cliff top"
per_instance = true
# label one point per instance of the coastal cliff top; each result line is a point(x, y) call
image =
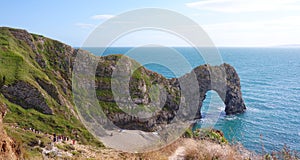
point(36, 86)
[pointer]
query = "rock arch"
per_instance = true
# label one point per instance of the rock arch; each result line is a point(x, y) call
point(223, 79)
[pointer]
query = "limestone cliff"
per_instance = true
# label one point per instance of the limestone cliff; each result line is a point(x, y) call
point(27, 96)
point(223, 79)
point(36, 85)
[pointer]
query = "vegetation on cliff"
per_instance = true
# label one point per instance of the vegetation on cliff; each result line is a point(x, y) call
point(36, 93)
point(36, 86)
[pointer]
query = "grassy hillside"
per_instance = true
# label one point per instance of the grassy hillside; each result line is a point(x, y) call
point(44, 64)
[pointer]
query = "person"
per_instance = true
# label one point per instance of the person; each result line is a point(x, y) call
point(54, 137)
point(73, 141)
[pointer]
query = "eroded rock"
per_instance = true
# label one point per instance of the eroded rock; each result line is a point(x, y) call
point(169, 100)
point(9, 149)
point(27, 96)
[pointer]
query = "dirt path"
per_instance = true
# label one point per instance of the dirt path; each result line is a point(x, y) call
point(178, 154)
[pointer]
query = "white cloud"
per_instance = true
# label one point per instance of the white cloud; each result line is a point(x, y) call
point(237, 6)
point(85, 25)
point(284, 30)
point(285, 23)
point(102, 16)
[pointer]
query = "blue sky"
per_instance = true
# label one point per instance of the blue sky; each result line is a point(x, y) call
point(227, 22)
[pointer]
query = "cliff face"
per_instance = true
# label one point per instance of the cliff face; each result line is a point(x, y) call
point(150, 91)
point(36, 85)
point(27, 96)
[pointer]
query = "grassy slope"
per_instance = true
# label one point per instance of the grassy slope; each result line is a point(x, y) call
point(17, 63)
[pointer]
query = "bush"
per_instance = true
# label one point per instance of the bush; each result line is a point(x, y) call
point(210, 134)
point(286, 154)
point(188, 133)
point(75, 153)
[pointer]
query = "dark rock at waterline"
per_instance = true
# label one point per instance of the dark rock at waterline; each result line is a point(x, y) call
point(172, 99)
point(154, 100)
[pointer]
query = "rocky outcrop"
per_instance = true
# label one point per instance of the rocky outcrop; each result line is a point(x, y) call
point(168, 100)
point(9, 149)
point(225, 81)
point(50, 89)
point(26, 37)
point(23, 36)
point(27, 96)
point(38, 73)
point(155, 100)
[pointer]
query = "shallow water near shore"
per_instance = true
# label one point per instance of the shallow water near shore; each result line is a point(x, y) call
point(271, 90)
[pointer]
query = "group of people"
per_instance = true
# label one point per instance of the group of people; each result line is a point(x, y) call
point(54, 137)
point(34, 130)
point(62, 138)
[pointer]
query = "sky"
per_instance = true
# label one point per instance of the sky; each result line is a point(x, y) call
point(234, 23)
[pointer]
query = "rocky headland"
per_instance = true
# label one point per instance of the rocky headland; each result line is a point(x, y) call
point(36, 88)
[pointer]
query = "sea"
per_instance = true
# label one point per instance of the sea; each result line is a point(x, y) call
point(270, 81)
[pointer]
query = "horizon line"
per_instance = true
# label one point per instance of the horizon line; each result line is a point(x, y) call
point(275, 46)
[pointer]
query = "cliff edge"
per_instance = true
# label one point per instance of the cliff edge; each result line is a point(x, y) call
point(36, 87)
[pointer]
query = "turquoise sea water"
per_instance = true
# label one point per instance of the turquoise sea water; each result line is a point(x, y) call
point(270, 80)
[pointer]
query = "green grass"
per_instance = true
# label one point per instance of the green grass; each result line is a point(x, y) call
point(112, 107)
point(30, 118)
point(28, 140)
point(15, 59)
point(104, 93)
point(140, 74)
point(17, 63)
point(65, 147)
point(206, 133)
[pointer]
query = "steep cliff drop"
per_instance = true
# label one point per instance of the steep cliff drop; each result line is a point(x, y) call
point(37, 90)
point(229, 89)
point(150, 91)
point(38, 74)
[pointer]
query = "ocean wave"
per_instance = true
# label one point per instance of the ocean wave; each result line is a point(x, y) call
point(252, 109)
point(231, 117)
